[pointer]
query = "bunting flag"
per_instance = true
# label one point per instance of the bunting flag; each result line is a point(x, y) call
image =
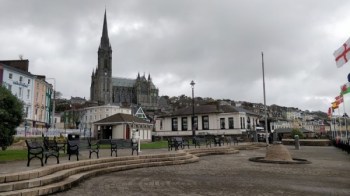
point(330, 112)
point(344, 89)
point(342, 55)
point(339, 99)
point(335, 105)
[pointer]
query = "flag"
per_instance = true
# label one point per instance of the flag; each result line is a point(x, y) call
point(342, 55)
point(335, 105)
point(344, 89)
point(339, 99)
point(330, 112)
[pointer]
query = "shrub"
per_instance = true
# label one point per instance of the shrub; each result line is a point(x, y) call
point(297, 132)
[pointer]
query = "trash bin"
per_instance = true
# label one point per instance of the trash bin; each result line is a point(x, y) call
point(73, 136)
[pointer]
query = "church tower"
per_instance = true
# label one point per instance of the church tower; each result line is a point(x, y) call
point(101, 80)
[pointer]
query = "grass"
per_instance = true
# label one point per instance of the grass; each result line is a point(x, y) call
point(16, 155)
point(13, 155)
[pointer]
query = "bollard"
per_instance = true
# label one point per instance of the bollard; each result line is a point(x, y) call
point(296, 142)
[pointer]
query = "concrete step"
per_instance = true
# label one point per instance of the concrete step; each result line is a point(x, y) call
point(91, 167)
point(61, 177)
point(37, 173)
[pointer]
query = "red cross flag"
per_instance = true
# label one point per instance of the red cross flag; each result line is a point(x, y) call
point(342, 55)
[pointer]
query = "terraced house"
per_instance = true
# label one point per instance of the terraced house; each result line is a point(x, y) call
point(33, 90)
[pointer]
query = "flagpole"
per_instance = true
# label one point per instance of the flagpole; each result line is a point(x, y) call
point(345, 116)
point(340, 125)
point(263, 72)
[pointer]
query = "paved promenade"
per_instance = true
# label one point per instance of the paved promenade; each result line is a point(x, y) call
point(18, 166)
point(231, 174)
point(328, 174)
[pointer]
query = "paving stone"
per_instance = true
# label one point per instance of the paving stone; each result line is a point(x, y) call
point(230, 174)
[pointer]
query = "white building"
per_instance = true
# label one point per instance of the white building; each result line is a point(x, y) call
point(20, 83)
point(208, 119)
point(87, 116)
point(123, 126)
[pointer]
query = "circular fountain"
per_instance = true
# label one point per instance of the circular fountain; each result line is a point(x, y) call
point(278, 153)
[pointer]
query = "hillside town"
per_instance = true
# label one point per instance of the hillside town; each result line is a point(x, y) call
point(47, 112)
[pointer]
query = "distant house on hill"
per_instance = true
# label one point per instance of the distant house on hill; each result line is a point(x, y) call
point(208, 119)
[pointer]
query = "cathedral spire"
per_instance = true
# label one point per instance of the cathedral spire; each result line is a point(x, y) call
point(104, 39)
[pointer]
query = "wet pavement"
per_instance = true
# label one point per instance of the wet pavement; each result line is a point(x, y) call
point(232, 174)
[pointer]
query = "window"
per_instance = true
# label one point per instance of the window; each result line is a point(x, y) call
point(161, 124)
point(10, 87)
point(10, 75)
point(205, 122)
point(222, 123)
point(28, 93)
point(174, 124)
point(195, 123)
point(28, 81)
point(20, 92)
point(184, 124)
point(20, 79)
point(242, 123)
point(230, 123)
point(27, 109)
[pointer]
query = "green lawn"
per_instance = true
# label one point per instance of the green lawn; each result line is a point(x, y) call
point(15, 155)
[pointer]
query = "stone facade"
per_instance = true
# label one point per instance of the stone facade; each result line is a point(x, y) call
point(106, 89)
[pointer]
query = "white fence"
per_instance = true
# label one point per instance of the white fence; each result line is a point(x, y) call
point(38, 132)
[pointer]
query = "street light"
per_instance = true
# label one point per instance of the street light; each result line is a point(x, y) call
point(193, 125)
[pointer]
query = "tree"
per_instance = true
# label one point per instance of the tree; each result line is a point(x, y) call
point(296, 131)
point(11, 116)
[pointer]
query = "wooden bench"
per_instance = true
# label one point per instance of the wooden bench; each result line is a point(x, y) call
point(116, 144)
point(114, 147)
point(35, 150)
point(219, 140)
point(185, 142)
point(198, 141)
point(51, 149)
point(93, 147)
point(61, 143)
point(175, 142)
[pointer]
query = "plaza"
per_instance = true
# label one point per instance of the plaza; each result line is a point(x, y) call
point(230, 174)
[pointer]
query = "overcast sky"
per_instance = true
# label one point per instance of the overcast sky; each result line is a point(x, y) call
point(216, 43)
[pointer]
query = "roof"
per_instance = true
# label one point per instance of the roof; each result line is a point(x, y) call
point(121, 118)
point(17, 70)
point(124, 82)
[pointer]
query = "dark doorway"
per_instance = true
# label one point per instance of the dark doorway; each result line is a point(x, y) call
point(127, 134)
point(107, 132)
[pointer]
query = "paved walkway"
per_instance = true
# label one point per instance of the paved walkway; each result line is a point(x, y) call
point(18, 166)
point(233, 174)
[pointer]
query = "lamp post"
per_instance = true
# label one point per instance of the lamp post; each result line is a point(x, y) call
point(193, 125)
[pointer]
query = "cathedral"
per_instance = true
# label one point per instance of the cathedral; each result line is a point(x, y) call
point(106, 89)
